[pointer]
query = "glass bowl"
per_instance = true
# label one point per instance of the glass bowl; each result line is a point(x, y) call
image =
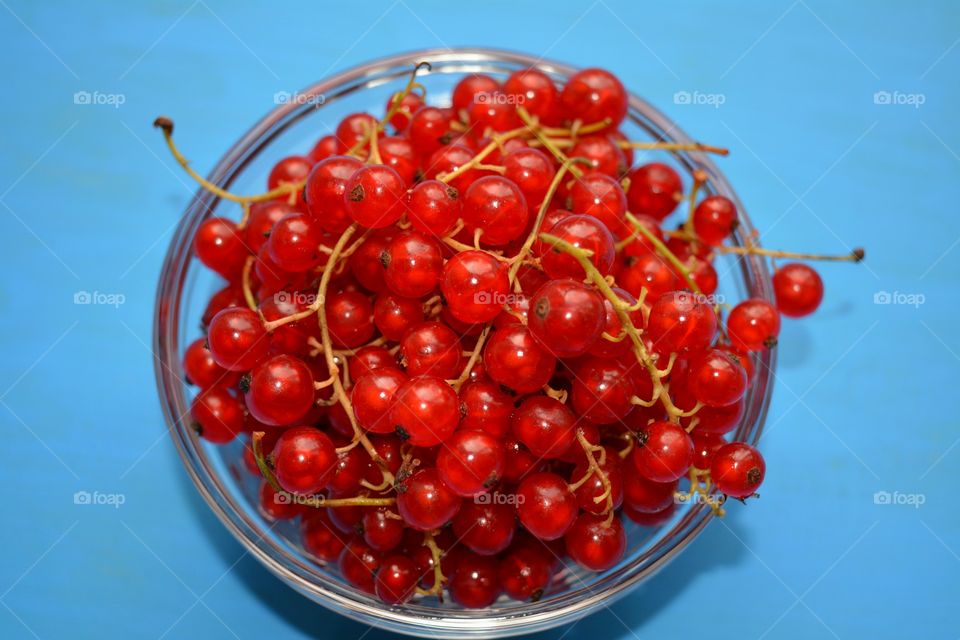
point(217, 471)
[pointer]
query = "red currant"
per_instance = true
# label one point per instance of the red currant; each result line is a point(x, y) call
point(714, 218)
point(474, 285)
point(375, 196)
point(753, 325)
point(514, 359)
point(425, 502)
point(545, 505)
point(425, 411)
point(737, 469)
point(798, 288)
point(596, 544)
point(303, 460)
point(655, 190)
point(280, 391)
point(664, 452)
point(236, 339)
point(567, 317)
point(413, 264)
point(495, 206)
point(372, 396)
point(218, 414)
point(471, 462)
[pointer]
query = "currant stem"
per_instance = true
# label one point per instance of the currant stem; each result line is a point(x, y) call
point(699, 179)
point(856, 255)
point(394, 107)
point(247, 287)
point(622, 310)
point(477, 159)
point(559, 395)
point(594, 468)
point(546, 141)
point(474, 358)
point(165, 124)
point(256, 443)
point(541, 214)
point(338, 391)
point(358, 501)
point(664, 251)
point(438, 578)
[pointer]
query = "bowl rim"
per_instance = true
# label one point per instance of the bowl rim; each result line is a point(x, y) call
point(166, 345)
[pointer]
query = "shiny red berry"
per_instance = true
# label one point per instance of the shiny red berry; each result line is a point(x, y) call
point(567, 317)
point(236, 339)
point(798, 289)
point(753, 325)
point(425, 411)
point(413, 264)
point(280, 391)
point(545, 426)
point(737, 469)
point(425, 502)
point(596, 544)
point(664, 452)
point(495, 206)
point(681, 321)
point(303, 460)
point(475, 286)
point(714, 218)
point(545, 505)
point(716, 378)
point(374, 196)
point(396, 579)
point(514, 359)
point(471, 462)
point(655, 190)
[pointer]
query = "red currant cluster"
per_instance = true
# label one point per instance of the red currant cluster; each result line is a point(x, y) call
point(463, 344)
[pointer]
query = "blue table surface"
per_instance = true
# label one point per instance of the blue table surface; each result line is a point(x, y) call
point(862, 405)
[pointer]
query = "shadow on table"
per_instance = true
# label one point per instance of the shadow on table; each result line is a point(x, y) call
point(715, 548)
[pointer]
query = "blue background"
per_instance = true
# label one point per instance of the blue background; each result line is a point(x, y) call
point(865, 400)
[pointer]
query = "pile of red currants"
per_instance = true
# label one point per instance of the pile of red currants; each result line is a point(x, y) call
point(462, 345)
